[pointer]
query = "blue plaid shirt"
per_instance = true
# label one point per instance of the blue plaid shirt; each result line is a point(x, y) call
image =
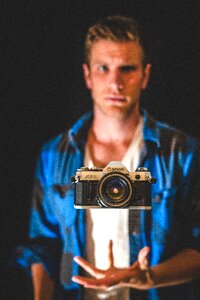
point(57, 229)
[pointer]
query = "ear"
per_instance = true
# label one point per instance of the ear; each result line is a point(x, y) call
point(86, 74)
point(147, 72)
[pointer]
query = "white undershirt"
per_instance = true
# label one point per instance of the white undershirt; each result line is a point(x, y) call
point(111, 224)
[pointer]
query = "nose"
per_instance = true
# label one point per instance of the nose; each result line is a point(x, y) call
point(116, 81)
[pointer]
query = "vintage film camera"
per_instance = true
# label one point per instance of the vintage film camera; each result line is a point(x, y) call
point(112, 187)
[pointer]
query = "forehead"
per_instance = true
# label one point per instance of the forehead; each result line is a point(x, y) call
point(105, 51)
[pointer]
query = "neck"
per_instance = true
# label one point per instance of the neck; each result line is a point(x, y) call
point(107, 129)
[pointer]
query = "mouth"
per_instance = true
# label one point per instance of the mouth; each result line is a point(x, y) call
point(115, 99)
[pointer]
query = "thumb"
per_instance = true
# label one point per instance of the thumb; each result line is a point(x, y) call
point(143, 258)
point(110, 254)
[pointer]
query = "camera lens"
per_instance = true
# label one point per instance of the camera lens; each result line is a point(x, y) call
point(114, 190)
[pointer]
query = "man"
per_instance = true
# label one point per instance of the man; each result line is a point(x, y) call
point(157, 253)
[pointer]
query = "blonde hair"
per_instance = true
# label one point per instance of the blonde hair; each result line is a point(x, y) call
point(116, 29)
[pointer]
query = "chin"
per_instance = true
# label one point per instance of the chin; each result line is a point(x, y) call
point(117, 113)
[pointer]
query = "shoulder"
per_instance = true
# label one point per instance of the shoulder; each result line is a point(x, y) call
point(67, 141)
point(55, 144)
point(50, 154)
point(167, 136)
point(179, 152)
point(176, 139)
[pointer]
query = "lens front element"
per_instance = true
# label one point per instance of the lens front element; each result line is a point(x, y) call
point(114, 190)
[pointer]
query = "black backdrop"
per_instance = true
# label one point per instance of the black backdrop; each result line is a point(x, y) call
point(43, 89)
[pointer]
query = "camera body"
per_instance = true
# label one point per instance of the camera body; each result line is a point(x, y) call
point(112, 187)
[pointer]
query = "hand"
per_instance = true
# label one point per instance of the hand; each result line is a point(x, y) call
point(137, 275)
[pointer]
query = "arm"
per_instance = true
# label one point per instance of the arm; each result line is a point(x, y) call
point(44, 236)
point(179, 269)
point(43, 285)
point(43, 248)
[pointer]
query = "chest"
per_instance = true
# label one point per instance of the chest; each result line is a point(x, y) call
point(103, 153)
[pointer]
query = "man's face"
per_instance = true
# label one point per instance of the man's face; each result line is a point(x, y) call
point(116, 77)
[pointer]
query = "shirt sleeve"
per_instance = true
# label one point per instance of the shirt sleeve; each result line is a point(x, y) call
point(44, 243)
point(42, 250)
point(190, 211)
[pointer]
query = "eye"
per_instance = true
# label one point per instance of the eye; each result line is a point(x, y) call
point(128, 68)
point(103, 68)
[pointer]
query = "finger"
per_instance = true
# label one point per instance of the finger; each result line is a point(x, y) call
point(143, 258)
point(88, 267)
point(110, 254)
point(102, 283)
point(89, 282)
point(134, 265)
point(111, 279)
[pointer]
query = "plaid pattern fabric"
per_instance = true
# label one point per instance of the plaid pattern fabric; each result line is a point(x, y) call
point(57, 229)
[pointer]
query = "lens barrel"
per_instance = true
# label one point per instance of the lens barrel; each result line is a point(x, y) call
point(115, 190)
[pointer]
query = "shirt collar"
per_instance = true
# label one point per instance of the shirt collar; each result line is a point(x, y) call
point(151, 130)
point(78, 132)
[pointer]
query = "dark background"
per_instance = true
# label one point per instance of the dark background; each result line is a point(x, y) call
point(44, 92)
